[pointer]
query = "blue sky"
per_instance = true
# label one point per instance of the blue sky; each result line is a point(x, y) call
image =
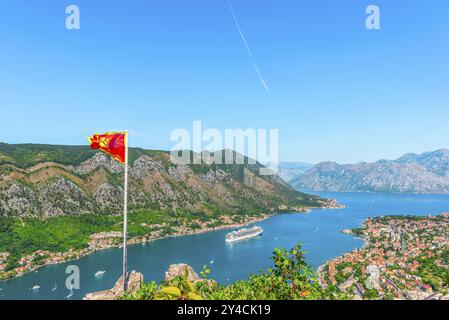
point(337, 90)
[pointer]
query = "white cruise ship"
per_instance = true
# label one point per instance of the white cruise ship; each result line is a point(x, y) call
point(243, 234)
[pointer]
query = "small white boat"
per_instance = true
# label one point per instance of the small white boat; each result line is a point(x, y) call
point(55, 288)
point(36, 287)
point(212, 261)
point(99, 274)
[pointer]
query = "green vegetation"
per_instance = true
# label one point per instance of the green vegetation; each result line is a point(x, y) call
point(21, 237)
point(28, 155)
point(289, 279)
point(432, 272)
point(371, 294)
point(359, 231)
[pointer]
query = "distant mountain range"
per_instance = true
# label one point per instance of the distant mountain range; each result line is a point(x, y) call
point(411, 173)
point(291, 170)
point(46, 181)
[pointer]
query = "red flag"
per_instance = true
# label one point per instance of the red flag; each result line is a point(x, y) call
point(112, 143)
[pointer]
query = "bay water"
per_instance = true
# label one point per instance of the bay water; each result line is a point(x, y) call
point(319, 231)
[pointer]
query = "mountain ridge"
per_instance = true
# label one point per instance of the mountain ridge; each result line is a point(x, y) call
point(48, 181)
point(411, 173)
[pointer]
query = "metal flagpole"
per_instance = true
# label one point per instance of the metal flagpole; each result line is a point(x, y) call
point(125, 218)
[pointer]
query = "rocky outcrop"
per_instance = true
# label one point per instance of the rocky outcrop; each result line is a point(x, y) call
point(108, 196)
point(99, 160)
point(18, 198)
point(135, 280)
point(176, 270)
point(144, 166)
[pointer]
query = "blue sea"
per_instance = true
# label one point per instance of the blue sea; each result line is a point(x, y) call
point(318, 231)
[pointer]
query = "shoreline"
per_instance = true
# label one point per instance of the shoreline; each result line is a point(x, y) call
point(141, 239)
point(348, 232)
point(138, 240)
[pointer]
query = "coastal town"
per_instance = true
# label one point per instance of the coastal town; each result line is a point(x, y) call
point(331, 204)
point(403, 257)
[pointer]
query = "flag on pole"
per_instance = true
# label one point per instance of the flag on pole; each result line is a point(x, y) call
point(116, 145)
point(112, 143)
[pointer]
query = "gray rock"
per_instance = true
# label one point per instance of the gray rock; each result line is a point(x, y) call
point(18, 198)
point(176, 270)
point(108, 196)
point(99, 160)
point(63, 197)
point(144, 166)
point(135, 280)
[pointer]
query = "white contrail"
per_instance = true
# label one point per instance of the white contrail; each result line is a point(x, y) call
point(259, 74)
